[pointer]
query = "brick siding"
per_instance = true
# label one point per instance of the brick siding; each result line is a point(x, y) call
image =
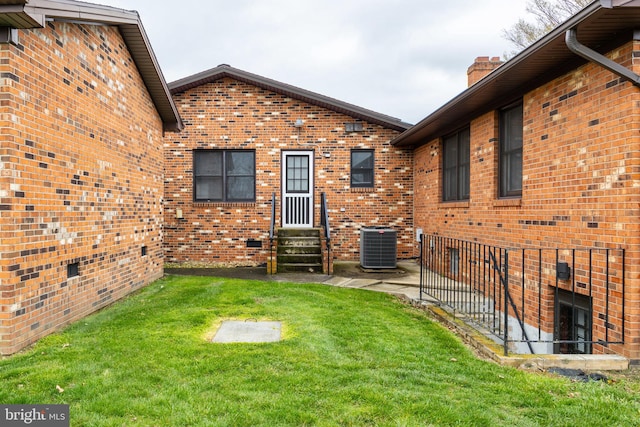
point(581, 178)
point(229, 114)
point(81, 179)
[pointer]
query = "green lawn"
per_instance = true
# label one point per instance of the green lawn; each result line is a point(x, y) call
point(349, 358)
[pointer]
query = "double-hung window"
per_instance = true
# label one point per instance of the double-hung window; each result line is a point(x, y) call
point(362, 168)
point(455, 166)
point(511, 124)
point(224, 175)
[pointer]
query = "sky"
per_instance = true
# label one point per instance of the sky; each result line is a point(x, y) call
point(403, 58)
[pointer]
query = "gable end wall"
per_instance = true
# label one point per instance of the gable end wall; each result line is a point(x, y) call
point(81, 179)
point(229, 114)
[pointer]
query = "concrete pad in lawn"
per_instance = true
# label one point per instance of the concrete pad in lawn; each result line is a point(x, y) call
point(237, 331)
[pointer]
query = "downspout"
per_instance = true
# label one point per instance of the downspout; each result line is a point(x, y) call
point(571, 39)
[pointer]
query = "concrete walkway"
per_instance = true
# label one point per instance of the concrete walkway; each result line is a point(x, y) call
point(407, 286)
point(402, 281)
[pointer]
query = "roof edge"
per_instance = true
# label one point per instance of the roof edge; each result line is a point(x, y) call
point(35, 13)
point(81, 11)
point(405, 139)
point(314, 98)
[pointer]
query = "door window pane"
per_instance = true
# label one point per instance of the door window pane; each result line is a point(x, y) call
point(297, 174)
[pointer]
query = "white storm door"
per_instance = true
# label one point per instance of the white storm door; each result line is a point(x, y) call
point(297, 189)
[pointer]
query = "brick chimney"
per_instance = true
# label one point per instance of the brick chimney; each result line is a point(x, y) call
point(482, 66)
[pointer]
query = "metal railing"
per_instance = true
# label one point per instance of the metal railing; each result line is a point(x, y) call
point(272, 228)
point(530, 300)
point(324, 222)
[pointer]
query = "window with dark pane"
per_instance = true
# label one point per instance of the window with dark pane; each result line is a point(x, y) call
point(224, 175)
point(362, 168)
point(455, 166)
point(208, 175)
point(511, 124)
point(240, 175)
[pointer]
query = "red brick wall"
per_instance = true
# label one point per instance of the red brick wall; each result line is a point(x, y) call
point(581, 178)
point(230, 114)
point(81, 179)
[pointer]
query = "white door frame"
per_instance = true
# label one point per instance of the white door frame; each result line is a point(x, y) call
point(297, 189)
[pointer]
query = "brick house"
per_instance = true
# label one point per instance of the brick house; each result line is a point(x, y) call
point(83, 111)
point(532, 175)
point(223, 169)
point(542, 156)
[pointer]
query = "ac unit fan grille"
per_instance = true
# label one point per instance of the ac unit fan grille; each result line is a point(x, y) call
point(378, 248)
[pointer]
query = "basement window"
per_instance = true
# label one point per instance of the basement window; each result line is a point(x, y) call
point(73, 270)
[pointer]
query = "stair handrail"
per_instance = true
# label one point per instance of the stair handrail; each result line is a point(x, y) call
point(324, 222)
point(272, 227)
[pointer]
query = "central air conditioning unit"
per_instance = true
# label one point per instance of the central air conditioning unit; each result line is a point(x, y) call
point(378, 248)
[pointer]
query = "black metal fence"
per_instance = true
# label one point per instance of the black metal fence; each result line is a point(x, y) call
point(272, 235)
point(537, 301)
point(326, 227)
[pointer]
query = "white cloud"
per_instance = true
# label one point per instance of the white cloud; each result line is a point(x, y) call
point(404, 58)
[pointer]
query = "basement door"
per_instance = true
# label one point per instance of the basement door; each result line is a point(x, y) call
point(573, 323)
point(297, 189)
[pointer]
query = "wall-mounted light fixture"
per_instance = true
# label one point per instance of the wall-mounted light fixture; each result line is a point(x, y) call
point(563, 271)
point(299, 124)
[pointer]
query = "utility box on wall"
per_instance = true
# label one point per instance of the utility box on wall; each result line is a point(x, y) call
point(378, 248)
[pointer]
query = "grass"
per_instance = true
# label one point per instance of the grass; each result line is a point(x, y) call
point(348, 358)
